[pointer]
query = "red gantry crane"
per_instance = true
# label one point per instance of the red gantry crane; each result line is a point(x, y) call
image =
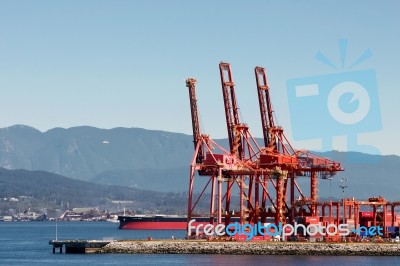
point(212, 160)
point(279, 154)
point(249, 166)
point(242, 145)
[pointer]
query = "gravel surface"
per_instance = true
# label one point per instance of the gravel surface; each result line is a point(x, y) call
point(248, 248)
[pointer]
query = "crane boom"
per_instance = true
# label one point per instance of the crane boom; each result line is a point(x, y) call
point(231, 109)
point(191, 84)
point(264, 99)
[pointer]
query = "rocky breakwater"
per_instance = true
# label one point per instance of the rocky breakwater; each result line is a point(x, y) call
point(252, 248)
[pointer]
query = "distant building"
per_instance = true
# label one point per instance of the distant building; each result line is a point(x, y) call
point(7, 218)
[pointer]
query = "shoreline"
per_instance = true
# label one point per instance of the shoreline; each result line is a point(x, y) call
point(251, 248)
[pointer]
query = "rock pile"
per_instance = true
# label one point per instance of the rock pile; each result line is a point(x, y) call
point(252, 248)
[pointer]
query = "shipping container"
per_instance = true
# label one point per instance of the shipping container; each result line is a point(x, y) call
point(312, 220)
point(366, 214)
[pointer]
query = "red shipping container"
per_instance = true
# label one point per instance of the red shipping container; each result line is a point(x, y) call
point(366, 214)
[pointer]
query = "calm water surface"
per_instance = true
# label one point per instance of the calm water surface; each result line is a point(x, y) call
point(23, 243)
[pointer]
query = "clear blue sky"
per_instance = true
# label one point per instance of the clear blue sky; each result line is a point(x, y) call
point(123, 63)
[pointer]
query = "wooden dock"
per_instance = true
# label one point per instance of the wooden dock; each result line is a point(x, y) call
point(78, 246)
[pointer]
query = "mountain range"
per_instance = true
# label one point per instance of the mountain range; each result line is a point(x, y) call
point(159, 160)
point(40, 189)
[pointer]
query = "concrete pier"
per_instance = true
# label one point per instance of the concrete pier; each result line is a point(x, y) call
point(226, 247)
point(78, 246)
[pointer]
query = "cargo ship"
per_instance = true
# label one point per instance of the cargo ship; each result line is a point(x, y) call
point(161, 222)
point(157, 222)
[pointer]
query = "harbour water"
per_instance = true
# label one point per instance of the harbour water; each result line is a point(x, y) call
point(26, 243)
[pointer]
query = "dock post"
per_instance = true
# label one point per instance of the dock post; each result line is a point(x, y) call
point(61, 249)
point(54, 249)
